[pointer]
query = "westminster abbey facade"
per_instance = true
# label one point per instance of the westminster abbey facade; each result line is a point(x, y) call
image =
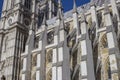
point(38, 41)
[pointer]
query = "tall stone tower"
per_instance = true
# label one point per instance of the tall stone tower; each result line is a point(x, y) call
point(18, 17)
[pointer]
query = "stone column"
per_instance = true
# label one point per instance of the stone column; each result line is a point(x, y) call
point(114, 56)
point(87, 66)
point(43, 54)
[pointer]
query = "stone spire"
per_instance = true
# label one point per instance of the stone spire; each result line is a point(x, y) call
point(44, 19)
point(59, 13)
point(74, 6)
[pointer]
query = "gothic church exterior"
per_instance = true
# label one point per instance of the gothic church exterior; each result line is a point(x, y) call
point(40, 42)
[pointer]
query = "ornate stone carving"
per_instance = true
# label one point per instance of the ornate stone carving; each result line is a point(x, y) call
point(67, 28)
point(103, 41)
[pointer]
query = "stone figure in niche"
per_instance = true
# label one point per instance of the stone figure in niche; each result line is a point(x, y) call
point(67, 28)
point(71, 39)
point(50, 37)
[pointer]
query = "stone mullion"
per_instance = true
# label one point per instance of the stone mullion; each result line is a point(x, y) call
point(54, 64)
point(114, 56)
point(87, 66)
point(55, 59)
point(38, 66)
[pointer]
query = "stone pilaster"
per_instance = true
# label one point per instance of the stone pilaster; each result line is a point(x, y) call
point(43, 54)
point(114, 56)
point(87, 66)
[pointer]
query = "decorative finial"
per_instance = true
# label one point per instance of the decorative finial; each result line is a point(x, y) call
point(59, 13)
point(74, 6)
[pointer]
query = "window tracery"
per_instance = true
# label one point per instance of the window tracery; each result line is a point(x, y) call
point(103, 41)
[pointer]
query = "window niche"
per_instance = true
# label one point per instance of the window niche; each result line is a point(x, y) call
point(100, 21)
point(50, 37)
point(40, 18)
point(34, 60)
point(36, 42)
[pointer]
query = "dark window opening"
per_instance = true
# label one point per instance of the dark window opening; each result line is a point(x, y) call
point(36, 42)
point(27, 4)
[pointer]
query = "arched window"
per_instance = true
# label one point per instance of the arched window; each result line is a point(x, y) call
point(27, 4)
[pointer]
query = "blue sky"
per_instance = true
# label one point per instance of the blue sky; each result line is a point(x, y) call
point(67, 4)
